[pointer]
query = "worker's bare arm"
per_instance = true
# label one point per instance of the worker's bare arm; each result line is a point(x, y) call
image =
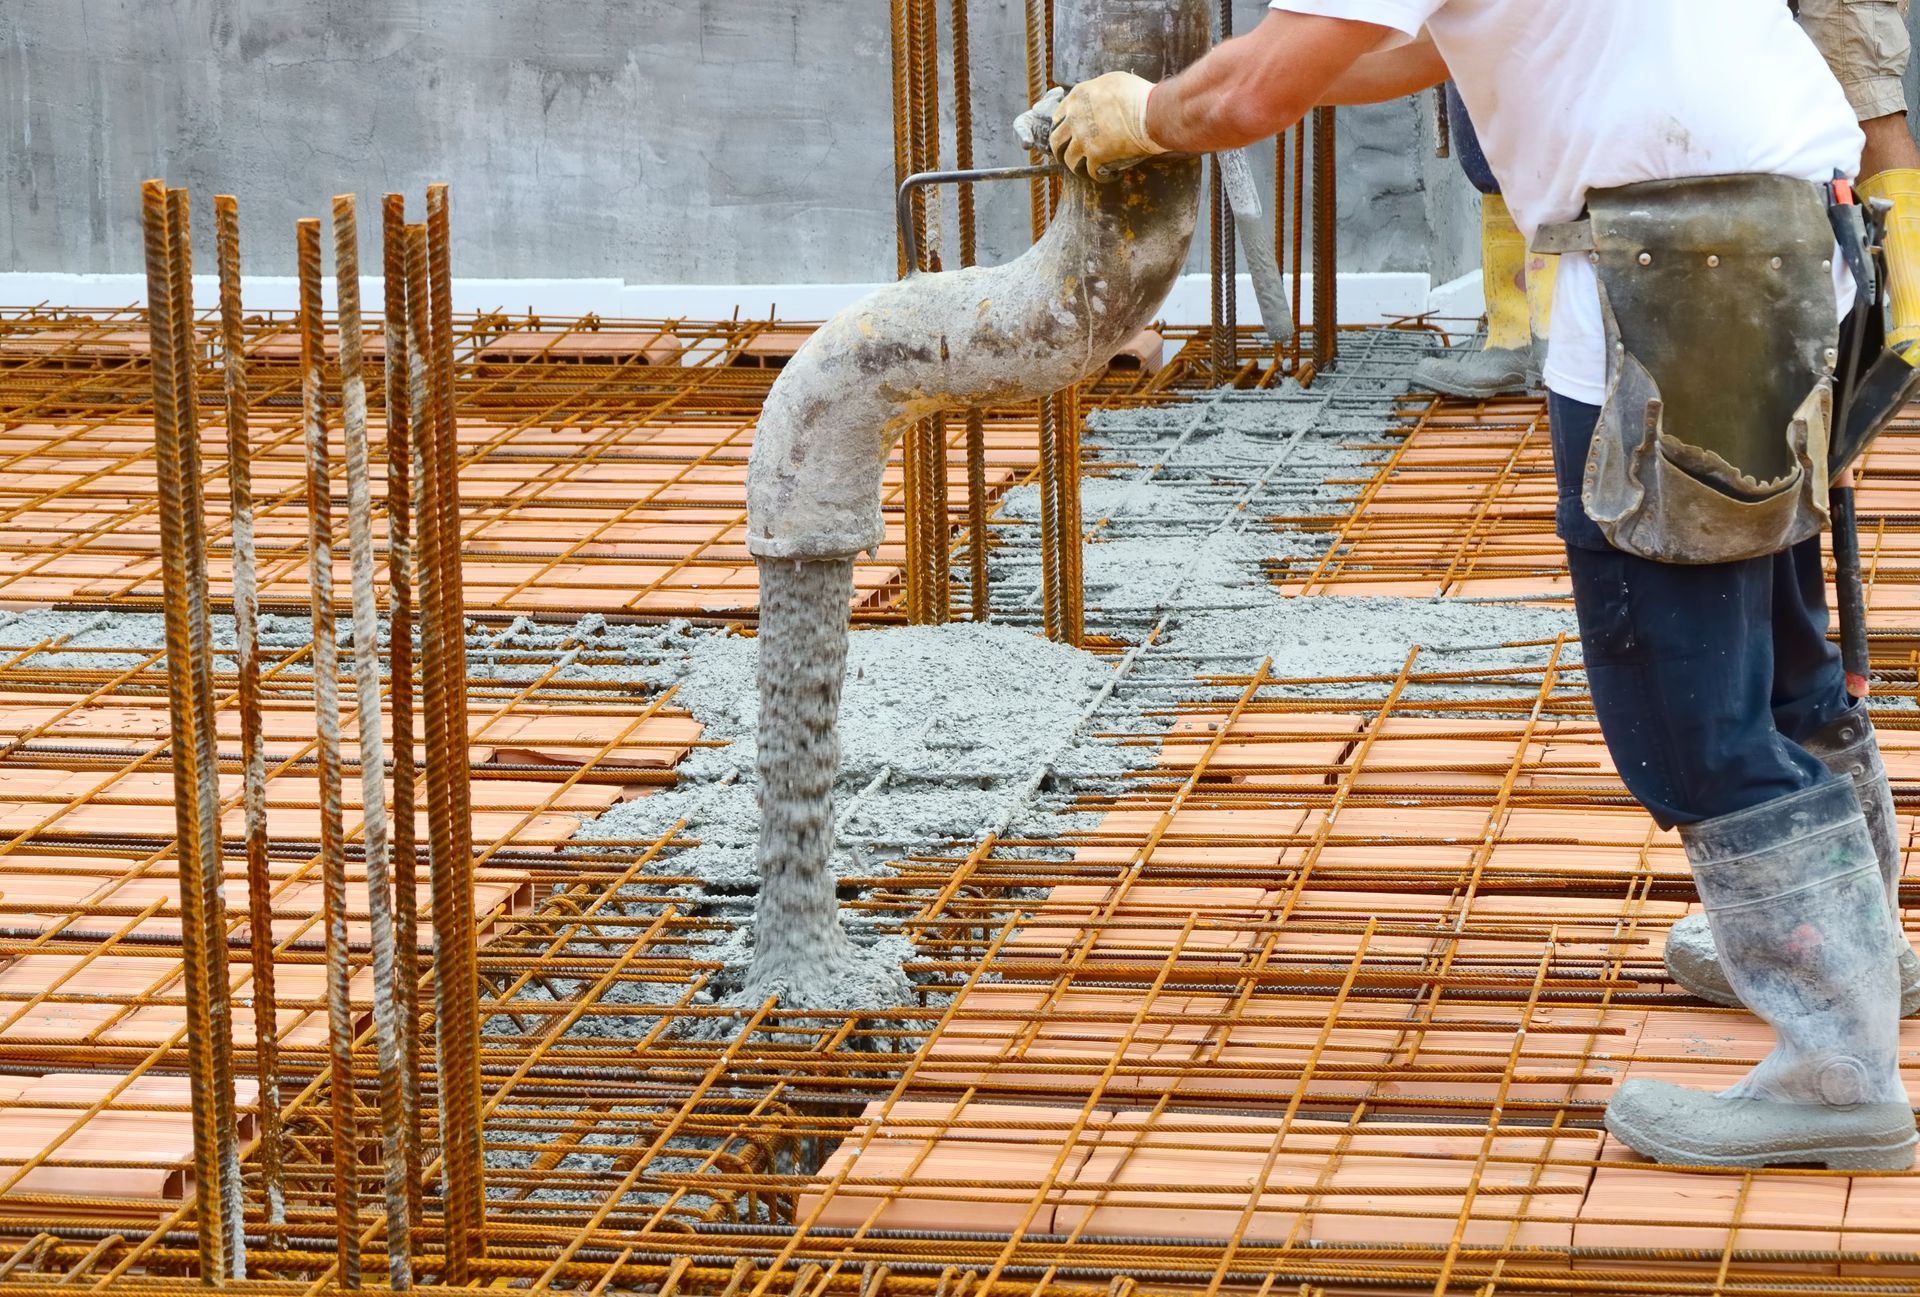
point(1258, 85)
point(1389, 74)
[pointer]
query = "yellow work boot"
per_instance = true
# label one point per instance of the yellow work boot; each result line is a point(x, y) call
point(1543, 276)
point(1902, 187)
point(1502, 363)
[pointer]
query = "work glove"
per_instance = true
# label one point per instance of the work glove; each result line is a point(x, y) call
point(1035, 125)
point(1902, 188)
point(1101, 125)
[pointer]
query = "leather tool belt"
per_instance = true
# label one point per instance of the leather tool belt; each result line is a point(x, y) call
point(1717, 295)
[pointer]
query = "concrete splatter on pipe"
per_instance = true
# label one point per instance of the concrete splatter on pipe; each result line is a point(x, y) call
point(971, 337)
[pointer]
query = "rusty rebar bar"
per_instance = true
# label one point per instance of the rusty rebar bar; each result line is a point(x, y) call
point(189, 696)
point(1039, 48)
point(1050, 573)
point(976, 444)
point(911, 518)
point(368, 726)
point(206, 769)
point(1326, 235)
point(1224, 262)
point(1067, 517)
point(344, 1122)
point(901, 50)
point(423, 395)
point(924, 88)
point(456, 983)
point(253, 749)
point(400, 478)
point(963, 127)
point(937, 526)
point(977, 528)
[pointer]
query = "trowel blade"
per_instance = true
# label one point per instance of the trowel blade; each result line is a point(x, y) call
point(1256, 247)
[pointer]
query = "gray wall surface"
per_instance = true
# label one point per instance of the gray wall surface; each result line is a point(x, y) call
point(661, 141)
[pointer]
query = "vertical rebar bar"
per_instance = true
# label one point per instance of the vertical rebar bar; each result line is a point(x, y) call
point(902, 125)
point(422, 396)
point(911, 518)
point(396, 371)
point(368, 727)
point(326, 724)
point(206, 769)
point(169, 308)
point(977, 576)
point(456, 984)
point(1050, 574)
point(1326, 261)
point(936, 524)
point(1225, 265)
point(1067, 517)
point(1039, 57)
point(923, 88)
point(253, 749)
point(976, 447)
point(963, 128)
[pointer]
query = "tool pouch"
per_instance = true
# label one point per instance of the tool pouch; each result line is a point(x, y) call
point(1717, 293)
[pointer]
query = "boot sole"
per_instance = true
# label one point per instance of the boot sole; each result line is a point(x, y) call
point(1882, 1138)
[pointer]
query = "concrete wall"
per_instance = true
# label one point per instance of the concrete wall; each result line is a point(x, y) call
point(677, 141)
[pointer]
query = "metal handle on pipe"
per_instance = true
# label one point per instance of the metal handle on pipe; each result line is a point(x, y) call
point(903, 204)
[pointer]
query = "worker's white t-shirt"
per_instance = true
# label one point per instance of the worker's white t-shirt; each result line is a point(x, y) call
point(1572, 95)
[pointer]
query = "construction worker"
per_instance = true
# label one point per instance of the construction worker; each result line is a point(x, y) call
point(1693, 345)
point(1867, 47)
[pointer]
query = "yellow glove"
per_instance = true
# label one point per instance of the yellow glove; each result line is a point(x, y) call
point(1102, 125)
point(1903, 255)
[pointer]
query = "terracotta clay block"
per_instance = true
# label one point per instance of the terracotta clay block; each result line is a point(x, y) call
point(1144, 353)
point(1881, 1218)
point(1194, 1175)
point(1639, 1205)
point(1012, 1176)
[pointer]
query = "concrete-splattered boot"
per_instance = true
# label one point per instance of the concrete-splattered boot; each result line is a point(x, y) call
point(1847, 747)
point(1799, 911)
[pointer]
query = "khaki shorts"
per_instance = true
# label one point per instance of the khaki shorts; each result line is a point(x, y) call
point(1865, 43)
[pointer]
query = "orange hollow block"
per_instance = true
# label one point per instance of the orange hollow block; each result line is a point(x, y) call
point(1003, 1173)
point(1205, 1176)
point(1638, 1205)
point(1881, 1218)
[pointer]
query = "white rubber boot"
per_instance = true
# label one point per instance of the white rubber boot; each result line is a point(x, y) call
point(1799, 913)
point(1846, 747)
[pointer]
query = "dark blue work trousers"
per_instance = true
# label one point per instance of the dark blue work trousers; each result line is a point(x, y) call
point(1706, 678)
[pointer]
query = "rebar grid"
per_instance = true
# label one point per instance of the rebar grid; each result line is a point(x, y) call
point(1463, 507)
point(1332, 996)
point(608, 487)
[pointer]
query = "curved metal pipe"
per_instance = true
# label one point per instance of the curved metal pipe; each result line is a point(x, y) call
point(983, 336)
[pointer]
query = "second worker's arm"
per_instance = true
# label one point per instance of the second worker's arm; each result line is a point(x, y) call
point(1244, 90)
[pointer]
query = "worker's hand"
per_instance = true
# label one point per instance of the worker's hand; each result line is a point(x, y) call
point(1034, 126)
point(1101, 126)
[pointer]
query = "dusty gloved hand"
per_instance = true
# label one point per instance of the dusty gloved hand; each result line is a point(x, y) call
point(1101, 126)
point(1034, 126)
point(1902, 188)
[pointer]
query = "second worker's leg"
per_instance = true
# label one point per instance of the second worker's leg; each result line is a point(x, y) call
point(1811, 706)
point(1680, 664)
